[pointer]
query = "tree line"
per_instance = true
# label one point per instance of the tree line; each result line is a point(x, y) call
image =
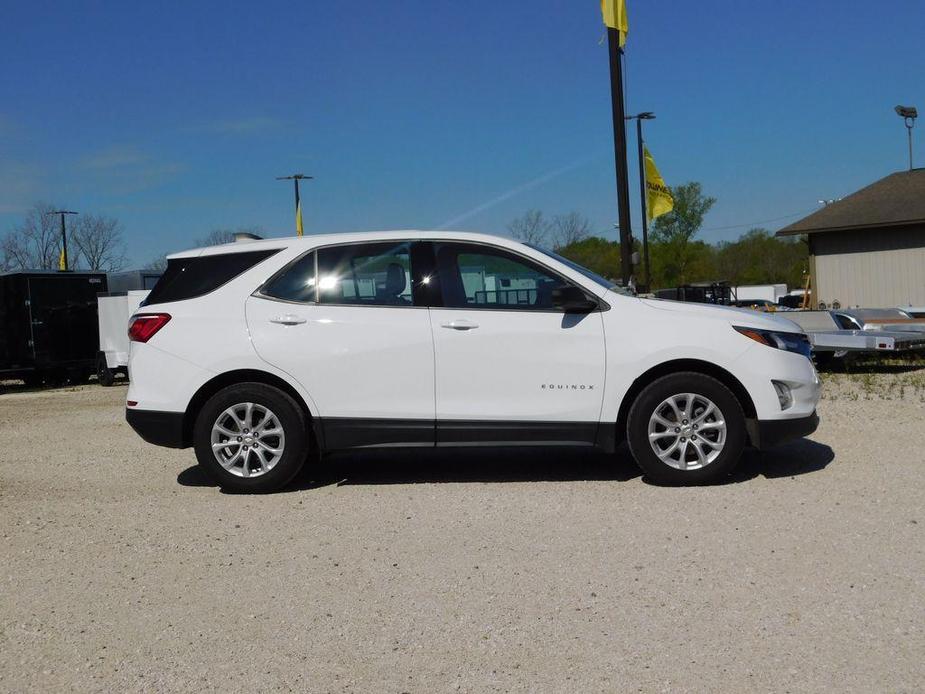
point(676, 256)
point(95, 242)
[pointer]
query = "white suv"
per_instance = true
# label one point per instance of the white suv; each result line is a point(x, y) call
point(256, 353)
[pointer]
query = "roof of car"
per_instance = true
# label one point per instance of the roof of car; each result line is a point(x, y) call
point(312, 240)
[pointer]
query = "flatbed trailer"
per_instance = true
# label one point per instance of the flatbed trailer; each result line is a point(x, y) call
point(865, 341)
point(825, 335)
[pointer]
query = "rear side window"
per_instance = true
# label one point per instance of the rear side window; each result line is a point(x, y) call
point(187, 278)
point(295, 283)
point(369, 274)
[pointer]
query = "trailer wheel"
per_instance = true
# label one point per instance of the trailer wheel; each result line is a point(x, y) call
point(103, 372)
point(33, 379)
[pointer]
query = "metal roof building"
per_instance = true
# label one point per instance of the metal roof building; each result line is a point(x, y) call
point(868, 249)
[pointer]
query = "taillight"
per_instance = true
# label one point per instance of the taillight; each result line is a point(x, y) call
point(145, 325)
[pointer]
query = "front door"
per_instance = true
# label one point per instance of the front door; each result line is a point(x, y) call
point(344, 322)
point(510, 366)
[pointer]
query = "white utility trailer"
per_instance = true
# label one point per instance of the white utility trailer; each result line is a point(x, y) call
point(114, 311)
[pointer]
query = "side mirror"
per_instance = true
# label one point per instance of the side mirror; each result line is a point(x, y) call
point(571, 299)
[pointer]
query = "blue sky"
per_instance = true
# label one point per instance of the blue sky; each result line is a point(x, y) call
point(176, 117)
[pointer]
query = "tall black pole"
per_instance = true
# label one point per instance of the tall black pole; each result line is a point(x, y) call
point(644, 208)
point(619, 147)
point(63, 235)
point(64, 242)
point(296, 181)
point(909, 129)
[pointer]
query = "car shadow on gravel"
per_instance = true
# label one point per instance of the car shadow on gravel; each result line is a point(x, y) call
point(799, 457)
point(485, 465)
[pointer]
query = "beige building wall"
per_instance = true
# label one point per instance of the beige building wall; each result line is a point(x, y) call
point(871, 268)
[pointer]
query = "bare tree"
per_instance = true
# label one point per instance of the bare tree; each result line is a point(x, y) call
point(217, 237)
point(98, 242)
point(570, 228)
point(531, 228)
point(33, 244)
point(158, 264)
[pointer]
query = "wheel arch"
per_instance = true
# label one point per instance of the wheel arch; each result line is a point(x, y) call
point(229, 378)
point(678, 366)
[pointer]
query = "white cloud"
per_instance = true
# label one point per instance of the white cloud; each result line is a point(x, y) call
point(245, 126)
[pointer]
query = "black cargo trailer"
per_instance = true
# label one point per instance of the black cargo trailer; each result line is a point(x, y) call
point(48, 324)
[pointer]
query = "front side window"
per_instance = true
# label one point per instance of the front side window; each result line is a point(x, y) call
point(473, 276)
point(368, 274)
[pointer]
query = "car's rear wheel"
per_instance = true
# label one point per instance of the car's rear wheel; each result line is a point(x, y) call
point(686, 428)
point(251, 437)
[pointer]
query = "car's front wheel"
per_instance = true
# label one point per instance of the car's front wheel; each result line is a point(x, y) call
point(686, 428)
point(251, 437)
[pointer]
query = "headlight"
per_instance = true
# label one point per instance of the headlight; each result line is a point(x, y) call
point(789, 342)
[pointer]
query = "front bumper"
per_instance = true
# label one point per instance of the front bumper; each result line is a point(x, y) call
point(159, 428)
point(767, 433)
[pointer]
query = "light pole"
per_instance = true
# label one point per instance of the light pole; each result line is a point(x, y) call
point(639, 117)
point(63, 238)
point(295, 178)
point(908, 114)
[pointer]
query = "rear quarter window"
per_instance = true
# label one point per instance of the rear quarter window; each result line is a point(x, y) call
point(187, 278)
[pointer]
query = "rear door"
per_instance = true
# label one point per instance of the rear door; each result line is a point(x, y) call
point(510, 365)
point(348, 324)
point(65, 327)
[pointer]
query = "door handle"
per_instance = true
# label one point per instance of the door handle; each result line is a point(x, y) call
point(288, 319)
point(461, 324)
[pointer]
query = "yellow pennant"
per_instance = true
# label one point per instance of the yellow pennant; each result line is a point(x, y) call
point(62, 265)
point(659, 200)
point(614, 12)
point(298, 219)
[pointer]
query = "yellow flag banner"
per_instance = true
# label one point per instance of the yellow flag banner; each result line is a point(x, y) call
point(614, 12)
point(298, 219)
point(658, 196)
point(62, 264)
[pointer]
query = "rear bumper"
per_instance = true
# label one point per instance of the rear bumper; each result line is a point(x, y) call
point(767, 433)
point(159, 428)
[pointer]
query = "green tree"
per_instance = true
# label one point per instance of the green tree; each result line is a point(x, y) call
point(759, 257)
point(597, 254)
point(676, 258)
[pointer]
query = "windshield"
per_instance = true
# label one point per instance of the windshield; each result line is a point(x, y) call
point(593, 276)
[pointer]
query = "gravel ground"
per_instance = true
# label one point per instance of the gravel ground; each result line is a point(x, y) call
point(123, 568)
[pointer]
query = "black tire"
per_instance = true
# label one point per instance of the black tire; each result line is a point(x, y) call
point(33, 379)
point(291, 418)
point(104, 374)
point(56, 378)
point(826, 360)
point(658, 392)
